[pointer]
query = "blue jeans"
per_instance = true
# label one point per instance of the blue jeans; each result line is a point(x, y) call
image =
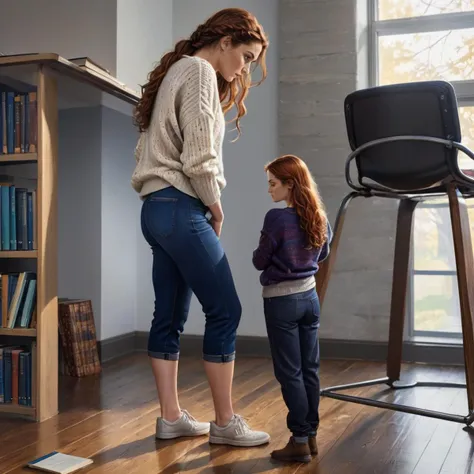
point(188, 257)
point(292, 325)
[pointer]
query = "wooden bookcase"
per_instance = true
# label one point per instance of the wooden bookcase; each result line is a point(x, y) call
point(57, 82)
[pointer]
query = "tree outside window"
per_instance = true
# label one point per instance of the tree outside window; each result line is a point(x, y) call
point(417, 40)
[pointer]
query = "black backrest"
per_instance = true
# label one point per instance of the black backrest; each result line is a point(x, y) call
point(420, 108)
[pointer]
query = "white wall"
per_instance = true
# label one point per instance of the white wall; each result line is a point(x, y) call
point(67, 27)
point(79, 207)
point(118, 220)
point(153, 18)
point(144, 33)
point(245, 200)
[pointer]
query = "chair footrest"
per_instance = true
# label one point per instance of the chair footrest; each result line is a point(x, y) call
point(330, 392)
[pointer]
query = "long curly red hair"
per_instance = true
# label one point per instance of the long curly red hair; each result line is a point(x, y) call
point(243, 28)
point(304, 196)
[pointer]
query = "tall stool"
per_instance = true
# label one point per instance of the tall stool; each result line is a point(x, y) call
point(405, 140)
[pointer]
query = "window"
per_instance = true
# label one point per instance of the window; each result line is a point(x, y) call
point(416, 40)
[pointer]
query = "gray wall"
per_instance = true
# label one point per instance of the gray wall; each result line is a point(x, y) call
point(118, 225)
point(144, 32)
point(96, 210)
point(79, 206)
point(321, 61)
point(160, 34)
point(67, 27)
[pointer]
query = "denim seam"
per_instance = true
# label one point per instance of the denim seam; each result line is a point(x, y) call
point(173, 316)
point(213, 266)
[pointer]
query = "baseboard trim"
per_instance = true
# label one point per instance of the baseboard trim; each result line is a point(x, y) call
point(117, 346)
point(254, 346)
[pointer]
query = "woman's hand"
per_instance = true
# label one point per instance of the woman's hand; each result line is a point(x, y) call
point(217, 217)
point(217, 226)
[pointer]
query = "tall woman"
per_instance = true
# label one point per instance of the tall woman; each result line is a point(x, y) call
point(180, 176)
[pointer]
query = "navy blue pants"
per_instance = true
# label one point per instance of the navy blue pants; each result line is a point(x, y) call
point(292, 326)
point(188, 257)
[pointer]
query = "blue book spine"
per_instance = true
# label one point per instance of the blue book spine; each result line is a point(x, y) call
point(13, 240)
point(20, 221)
point(5, 217)
point(28, 379)
point(29, 217)
point(27, 310)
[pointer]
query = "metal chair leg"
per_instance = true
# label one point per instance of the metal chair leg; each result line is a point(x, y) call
point(464, 261)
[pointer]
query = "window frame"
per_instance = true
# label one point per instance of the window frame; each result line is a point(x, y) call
point(431, 23)
point(465, 95)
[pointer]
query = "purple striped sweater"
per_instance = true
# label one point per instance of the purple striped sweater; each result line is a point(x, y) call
point(281, 253)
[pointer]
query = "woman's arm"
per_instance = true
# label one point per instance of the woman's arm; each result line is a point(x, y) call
point(197, 117)
point(217, 217)
point(200, 160)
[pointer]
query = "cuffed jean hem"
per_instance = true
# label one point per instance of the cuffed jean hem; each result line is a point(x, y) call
point(300, 439)
point(164, 355)
point(302, 434)
point(218, 359)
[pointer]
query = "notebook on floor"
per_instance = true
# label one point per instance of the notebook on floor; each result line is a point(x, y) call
point(59, 463)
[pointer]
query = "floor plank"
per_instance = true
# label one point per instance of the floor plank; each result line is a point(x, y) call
point(111, 419)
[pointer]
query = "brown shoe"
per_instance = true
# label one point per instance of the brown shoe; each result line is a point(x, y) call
point(313, 445)
point(293, 452)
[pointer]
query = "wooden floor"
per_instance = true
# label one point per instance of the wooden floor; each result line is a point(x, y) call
point(111, 419)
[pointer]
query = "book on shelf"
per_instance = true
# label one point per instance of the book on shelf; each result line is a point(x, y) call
point(18, 119)
point(16, 374)
point(87, 63)
point(59, 463)
point(18, 217)
point(93, 67)
point(18, 300)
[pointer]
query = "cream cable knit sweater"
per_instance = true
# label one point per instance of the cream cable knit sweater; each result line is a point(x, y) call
point(183, 145)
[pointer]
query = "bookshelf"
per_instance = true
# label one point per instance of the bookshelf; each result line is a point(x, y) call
point(58, 83)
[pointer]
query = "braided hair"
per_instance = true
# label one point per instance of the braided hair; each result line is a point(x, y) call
point(243, 28)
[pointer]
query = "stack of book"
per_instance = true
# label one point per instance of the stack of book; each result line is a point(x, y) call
point(18, 120)
point(18, 300)
point(18, 217)
point(18, 310)
point(16, 375)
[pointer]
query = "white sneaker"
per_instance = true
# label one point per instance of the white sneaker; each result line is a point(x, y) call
point(237, 433)
point(187, 425)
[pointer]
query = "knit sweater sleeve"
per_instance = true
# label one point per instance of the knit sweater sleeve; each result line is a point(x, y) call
point(198, 118)
point(269, 241)
point(326, 248)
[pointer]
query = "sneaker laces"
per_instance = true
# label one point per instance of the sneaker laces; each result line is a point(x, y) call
point(189, 417)
point(242, 424)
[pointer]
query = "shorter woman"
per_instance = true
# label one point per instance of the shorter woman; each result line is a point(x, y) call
point(293, 241)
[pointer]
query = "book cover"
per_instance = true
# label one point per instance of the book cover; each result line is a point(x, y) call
point(59, 463)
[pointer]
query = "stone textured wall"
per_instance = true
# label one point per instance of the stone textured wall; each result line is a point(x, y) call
point(320, 63)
